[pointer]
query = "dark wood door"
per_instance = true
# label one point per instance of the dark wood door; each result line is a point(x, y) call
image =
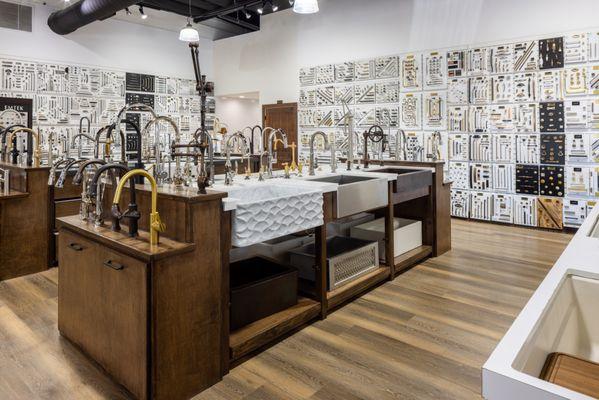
point(283, 116)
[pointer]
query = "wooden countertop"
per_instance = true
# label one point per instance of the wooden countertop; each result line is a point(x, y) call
point(13, 194)
point(188, 194)
point(138, 247)
point(4, 164)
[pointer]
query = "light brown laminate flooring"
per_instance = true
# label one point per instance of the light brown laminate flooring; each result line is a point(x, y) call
point(424, 335)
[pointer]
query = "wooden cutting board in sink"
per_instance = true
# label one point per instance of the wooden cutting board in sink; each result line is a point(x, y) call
point(573, 373)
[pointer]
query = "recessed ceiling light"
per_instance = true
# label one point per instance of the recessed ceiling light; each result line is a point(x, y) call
point(242, 97)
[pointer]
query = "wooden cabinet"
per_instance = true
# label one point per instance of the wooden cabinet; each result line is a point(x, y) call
point(103, 308)
point(151, 315)
point(25, 222)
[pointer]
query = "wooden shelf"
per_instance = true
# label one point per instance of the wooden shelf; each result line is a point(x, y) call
point(412, 257)
point(264, 331)
point(338, 296)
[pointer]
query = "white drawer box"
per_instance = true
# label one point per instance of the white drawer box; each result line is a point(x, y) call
point(408, 234)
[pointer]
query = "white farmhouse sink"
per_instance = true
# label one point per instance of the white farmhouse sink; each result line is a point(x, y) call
point(268, 211)
point(569, 325)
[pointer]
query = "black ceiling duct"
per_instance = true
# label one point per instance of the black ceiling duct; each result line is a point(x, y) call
point(83, 13)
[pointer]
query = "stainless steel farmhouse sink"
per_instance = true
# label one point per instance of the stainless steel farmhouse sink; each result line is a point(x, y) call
point(356, 193)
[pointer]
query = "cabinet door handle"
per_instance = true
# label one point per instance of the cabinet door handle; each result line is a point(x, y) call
point(114, 265)
point(75, 246)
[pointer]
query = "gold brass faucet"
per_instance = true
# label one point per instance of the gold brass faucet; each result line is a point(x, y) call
point(37, 151)
point(156, 225)
point(293, 165)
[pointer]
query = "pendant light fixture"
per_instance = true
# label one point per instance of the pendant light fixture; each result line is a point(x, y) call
point(305, 6)
point(189, 33)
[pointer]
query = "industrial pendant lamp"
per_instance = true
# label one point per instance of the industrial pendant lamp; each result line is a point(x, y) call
point(305, 6)
point(188, 33)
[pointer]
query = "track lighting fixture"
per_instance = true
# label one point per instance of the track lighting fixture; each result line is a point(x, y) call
point(127, 11)
point(142, 14)
point(305, 6)
point(268, 3)
point(246, 13)
point(189, 33)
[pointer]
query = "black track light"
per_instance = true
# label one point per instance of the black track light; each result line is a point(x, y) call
point(127, 11)
point(246, 13)
point(141, 12)
point(260, 9)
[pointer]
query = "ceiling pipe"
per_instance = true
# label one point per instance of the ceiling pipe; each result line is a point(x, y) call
point(85, 12)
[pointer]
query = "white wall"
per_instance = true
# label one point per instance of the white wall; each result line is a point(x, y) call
point(111, 43)
point(238, 113)
point(268, 61)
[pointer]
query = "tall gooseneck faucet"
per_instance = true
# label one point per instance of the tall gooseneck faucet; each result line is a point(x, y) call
point(271, 138)
point(326, 145)
point(228, 144)
point(156, 225)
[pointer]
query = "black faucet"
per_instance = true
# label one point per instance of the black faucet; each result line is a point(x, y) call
point(374, 134)
point(132, 212)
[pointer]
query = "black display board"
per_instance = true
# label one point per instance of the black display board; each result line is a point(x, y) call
point(23, 106)
point(527, 179)
point(553, 149)
point(551, 116)
point(551, 53)
point(147, 99)
point(139, 82)
point(552, 181)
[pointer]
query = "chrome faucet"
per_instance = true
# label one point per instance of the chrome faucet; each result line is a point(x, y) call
point(261, 172)
point(229, 173)
point(271, 138)
point(326, 145)
point(401, 151)
point(348, 127)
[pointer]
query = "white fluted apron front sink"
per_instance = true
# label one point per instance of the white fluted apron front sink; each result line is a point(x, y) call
point(269, 211)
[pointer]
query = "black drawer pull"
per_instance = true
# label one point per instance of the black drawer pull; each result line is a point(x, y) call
point(76, 247)
point(113, 265)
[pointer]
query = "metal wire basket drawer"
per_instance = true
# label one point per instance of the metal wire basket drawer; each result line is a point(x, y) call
point(347, 259)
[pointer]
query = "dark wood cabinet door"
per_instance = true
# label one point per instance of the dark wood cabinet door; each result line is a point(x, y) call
point(283, 116)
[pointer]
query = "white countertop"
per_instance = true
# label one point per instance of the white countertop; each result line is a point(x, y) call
point(500, 380)
point(305, 181)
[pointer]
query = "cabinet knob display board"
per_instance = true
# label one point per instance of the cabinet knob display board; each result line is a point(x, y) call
point(519, 121)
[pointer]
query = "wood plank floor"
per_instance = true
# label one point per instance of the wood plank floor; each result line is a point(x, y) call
point(423, 336)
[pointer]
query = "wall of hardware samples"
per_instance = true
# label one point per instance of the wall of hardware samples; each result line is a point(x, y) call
point(519, 120)
point(64, 93)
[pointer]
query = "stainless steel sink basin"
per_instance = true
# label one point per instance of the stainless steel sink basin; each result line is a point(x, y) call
point(343, 179)
point(357, 193)
point(408, 179)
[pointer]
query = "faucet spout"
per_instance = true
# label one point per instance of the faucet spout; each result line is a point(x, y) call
point(156, 225)
point(326, 145)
